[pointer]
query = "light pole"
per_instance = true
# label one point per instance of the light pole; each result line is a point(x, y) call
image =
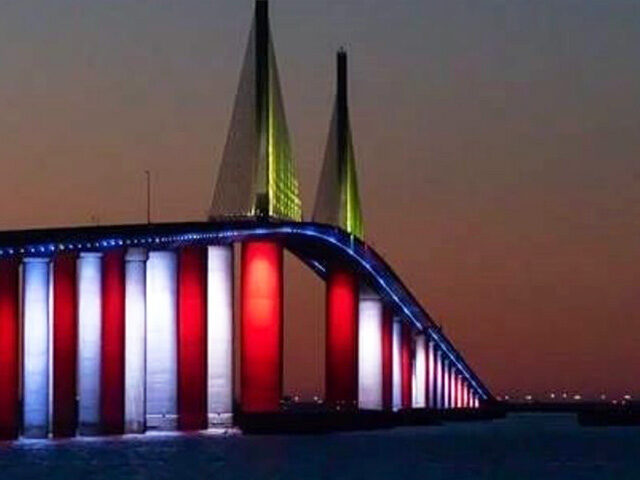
point(148, 176)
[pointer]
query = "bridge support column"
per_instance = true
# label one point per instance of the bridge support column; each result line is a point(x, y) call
point(452, 387)
point(89, 342)
point(192, 339)
point(135, 340)
point(341, 389)
point(9, 349)
point(370, 376)
point(387, 358)
point(465, 394)
point(162, 342)
point(261, 326)
point(454, 390)
point(439, 393)
point(420, 384)
point(446, 389)
point(407, 366)
point(220, 334)
point(397, 364)
point(431, 370)
point(65, 345)
point(36, 348)
point(113, 342)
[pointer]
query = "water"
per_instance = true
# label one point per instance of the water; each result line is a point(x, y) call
point(520, 447)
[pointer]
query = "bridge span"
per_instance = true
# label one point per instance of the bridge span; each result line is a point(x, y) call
point(130, 328)
point(154, 330)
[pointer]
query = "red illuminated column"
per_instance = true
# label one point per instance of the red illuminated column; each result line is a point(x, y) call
point(9, 350)
point(261, 326)
point(387, 358)
point(113, 330)
point(406, 366)
point(65, 341)
point(341, 379)
point(192, 339)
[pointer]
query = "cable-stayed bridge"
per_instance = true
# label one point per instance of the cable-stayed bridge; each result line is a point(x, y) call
point(125, 329)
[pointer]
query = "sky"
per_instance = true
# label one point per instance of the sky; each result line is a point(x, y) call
point(497, 143)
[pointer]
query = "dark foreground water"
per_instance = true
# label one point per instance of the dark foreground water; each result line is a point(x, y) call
point(519, 447)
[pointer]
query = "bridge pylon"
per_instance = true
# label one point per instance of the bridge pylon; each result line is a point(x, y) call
point(257, 176)
point(337, 198)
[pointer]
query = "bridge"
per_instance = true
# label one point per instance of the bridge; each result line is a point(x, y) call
point(130, 328)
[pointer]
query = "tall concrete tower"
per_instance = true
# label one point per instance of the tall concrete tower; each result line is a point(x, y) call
point(337, 199)
point(257, 176)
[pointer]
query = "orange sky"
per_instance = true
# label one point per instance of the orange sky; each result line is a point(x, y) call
point(497, 147)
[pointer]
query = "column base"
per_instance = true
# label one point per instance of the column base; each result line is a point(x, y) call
point(90, 430)
point(220, 420)
point(35, 432)
point(134, 427)
point(162, 423)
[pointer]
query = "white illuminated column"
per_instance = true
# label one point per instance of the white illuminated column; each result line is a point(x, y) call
point(162, 347)
point(420, 384)
point(36, 347)
point(89, 341)
point(438, 380)
point(465, 389)
point(369, 350)
point(396, 368)
point(452, 388)
point(414, 390)
point(134, 340)
point(50, 302)
point(445, 384)
point(431, 384)
point(220, 334)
